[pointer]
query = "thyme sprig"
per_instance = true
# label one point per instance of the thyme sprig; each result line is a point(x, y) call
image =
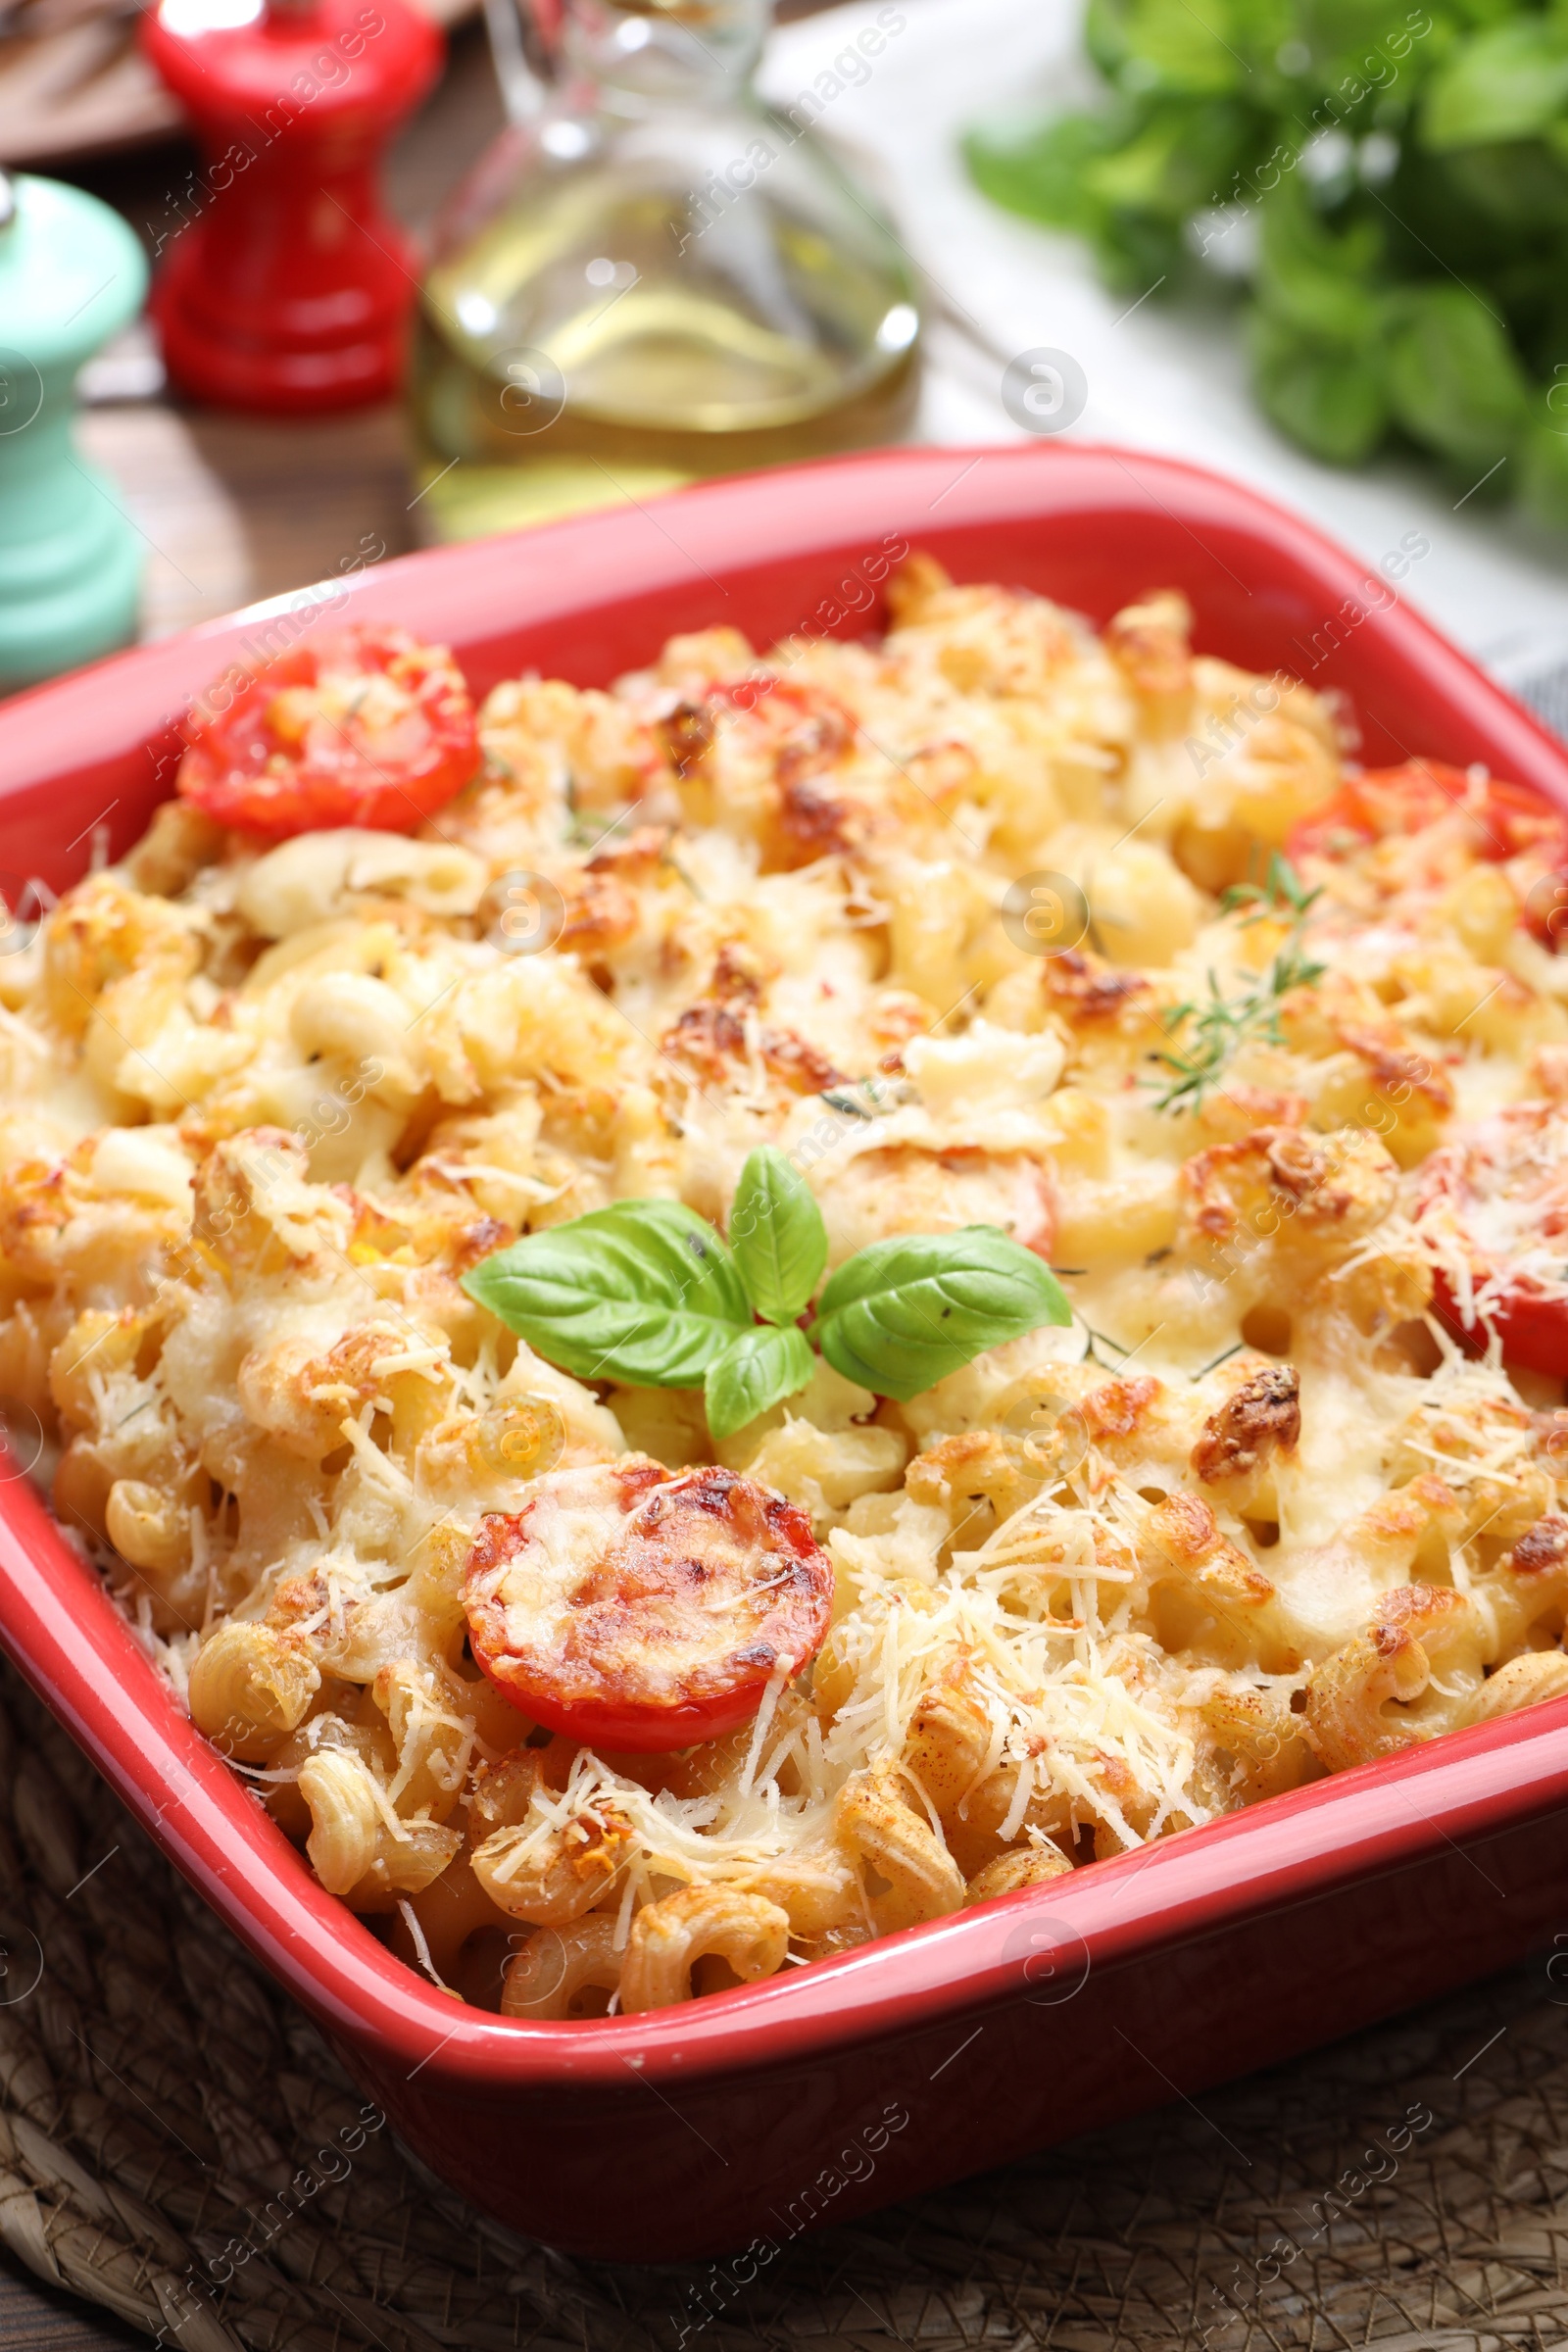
point(1282, 888)
point(1222, 1025)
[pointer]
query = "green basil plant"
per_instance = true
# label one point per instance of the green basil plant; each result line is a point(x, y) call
point(1384, 187)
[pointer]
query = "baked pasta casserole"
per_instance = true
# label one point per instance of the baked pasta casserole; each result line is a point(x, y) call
point(591, 1680)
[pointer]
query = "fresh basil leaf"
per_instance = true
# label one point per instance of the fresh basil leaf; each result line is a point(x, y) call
point(1455, 379)
point(1509, 82)
point(758, 1368)
point(1172, 165)
point(1543, 464)
point(1518, 186)
point(1040, 173)
point(904, 1314)
point(1170, 49)
point(1321, 281)
point(1134, 249)
point(1332, 401)
point(643, 1292)
point(777, 1235)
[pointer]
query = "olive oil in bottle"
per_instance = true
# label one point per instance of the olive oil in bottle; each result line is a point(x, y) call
point(650, 278)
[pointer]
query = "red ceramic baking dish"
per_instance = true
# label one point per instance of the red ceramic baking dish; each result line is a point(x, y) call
point(753, 2115)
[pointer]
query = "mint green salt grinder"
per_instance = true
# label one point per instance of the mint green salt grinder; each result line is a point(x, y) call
point(70, 275)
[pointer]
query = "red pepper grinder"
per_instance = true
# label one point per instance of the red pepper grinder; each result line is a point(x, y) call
point(290, 288)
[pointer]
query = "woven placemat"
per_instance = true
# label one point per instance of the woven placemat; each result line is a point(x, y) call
point(1408, 2187)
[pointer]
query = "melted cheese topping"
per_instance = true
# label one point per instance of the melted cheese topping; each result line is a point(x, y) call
point(945, 918)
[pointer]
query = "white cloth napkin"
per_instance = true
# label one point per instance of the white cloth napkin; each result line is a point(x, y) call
point(1158, 379)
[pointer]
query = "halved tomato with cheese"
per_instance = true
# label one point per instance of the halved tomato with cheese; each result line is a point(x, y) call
point(1500, 819)
point(1418, 828)
point(1491, 1208)
point(631, 1606)
point(359, 726)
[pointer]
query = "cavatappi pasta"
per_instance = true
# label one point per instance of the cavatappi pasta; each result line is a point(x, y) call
point(1256, 1517)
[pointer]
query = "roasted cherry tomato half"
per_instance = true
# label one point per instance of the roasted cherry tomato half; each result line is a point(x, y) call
point(363, 726)
point(1493, 1200)
point(631, 1606)
point(1506, 818)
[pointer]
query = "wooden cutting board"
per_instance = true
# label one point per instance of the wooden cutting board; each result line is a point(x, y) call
point(74, 82)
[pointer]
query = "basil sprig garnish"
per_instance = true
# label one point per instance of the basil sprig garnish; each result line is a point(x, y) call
point(649, 1294)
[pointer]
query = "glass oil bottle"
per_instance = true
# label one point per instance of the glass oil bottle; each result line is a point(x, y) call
point(649, 278)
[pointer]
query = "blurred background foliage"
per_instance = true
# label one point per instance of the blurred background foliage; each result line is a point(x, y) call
point(1384, 189)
